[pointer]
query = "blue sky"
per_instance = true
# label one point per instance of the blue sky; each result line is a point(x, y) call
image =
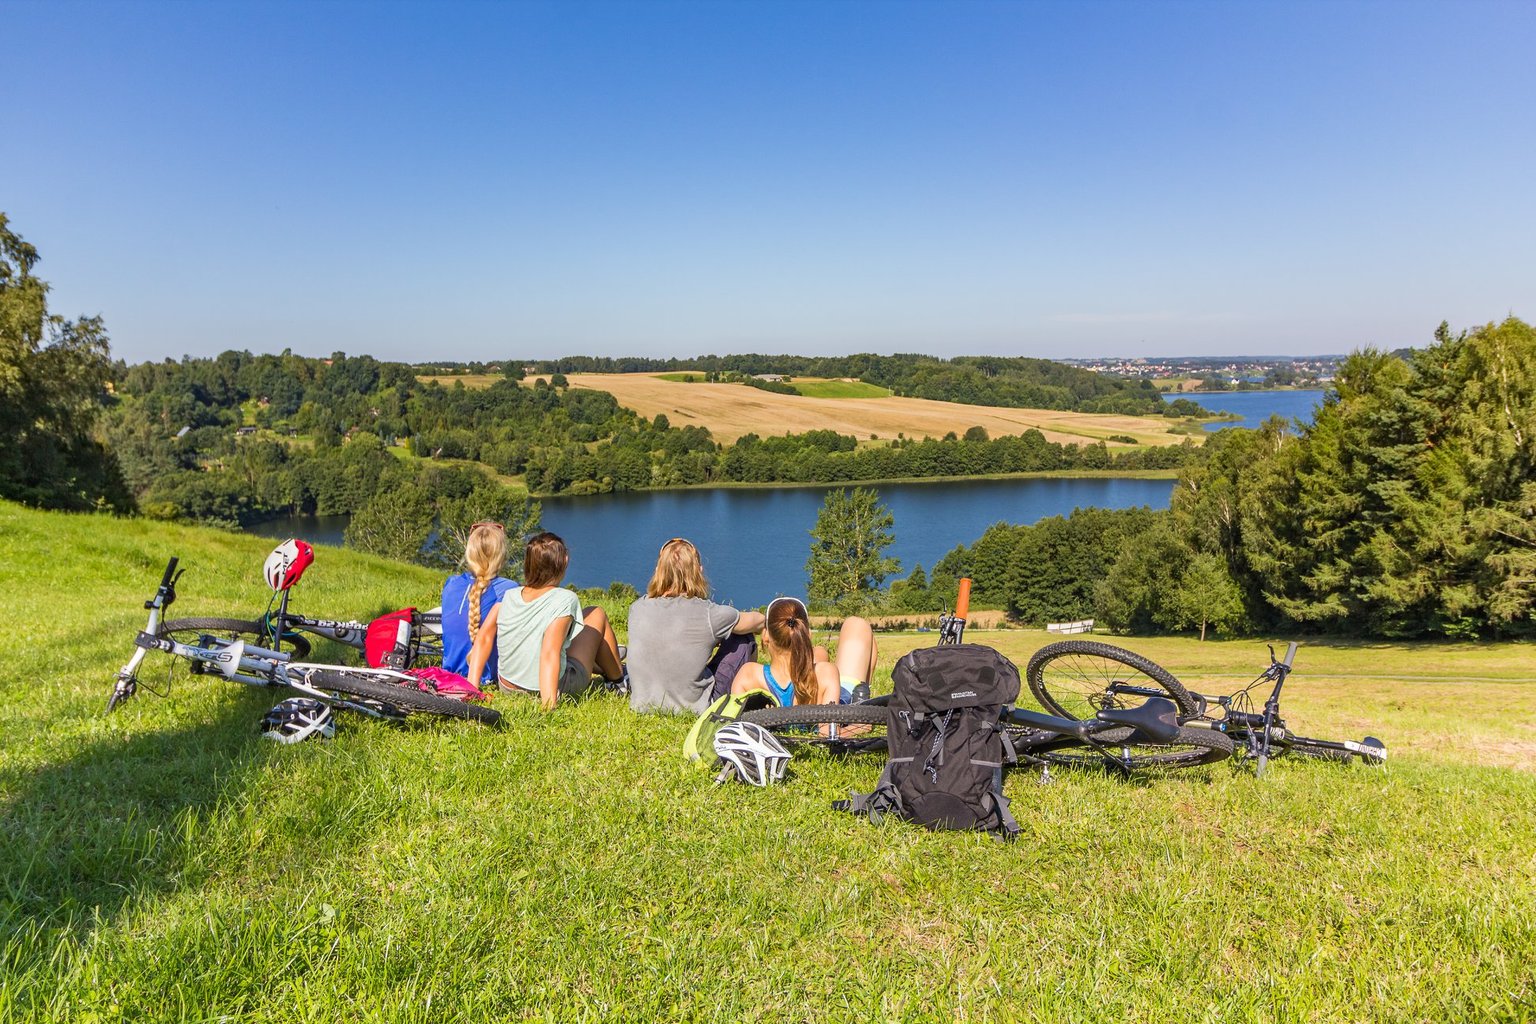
point(486, 180)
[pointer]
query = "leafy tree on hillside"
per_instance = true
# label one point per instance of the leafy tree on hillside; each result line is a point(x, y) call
point(1206, 596)
point(53, 384)
point(847, 562)
point(394, 523)
point(486, 503)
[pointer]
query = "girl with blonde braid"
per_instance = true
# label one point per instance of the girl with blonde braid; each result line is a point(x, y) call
point(468, 598)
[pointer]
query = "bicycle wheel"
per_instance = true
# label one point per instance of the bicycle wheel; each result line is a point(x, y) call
point(1316, 753)
point(1078, 678)
point(840, 728)
point(393, 699)
point(1191, 747)
point(188, 630)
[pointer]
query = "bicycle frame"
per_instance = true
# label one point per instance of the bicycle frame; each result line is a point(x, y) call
point(127, 681)
point(426, 629)
point(247, 663)
point(1263, 733)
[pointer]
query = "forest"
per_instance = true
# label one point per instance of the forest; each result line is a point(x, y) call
point(1014, 382)
point(1406, 509)
point(239, 436)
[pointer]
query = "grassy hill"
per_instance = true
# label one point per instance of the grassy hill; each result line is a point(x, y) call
point(165, 863)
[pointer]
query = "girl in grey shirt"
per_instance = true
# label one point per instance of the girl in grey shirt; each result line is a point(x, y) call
point(684, 649)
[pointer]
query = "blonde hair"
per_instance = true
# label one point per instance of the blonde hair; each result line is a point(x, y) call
point(485, 552)
point(789, 630)
point(678, 572)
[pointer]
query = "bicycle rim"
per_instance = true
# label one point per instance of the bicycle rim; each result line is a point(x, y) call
point(1077, 679)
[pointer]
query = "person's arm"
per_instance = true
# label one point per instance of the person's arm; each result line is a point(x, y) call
point(549, 660)
point(749, 622)
point(829, 688)
point(749, 678)
point(485, 641)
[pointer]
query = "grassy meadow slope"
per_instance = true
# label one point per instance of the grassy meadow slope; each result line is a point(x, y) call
point(731, 410)
point(165, 863)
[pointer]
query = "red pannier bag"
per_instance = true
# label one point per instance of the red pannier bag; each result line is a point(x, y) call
point(388, 642)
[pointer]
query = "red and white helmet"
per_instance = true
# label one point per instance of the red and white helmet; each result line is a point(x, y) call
point(287, 563)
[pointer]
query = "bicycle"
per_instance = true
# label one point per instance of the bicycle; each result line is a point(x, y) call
point(1146, 736)
point(1074, 678)
point(421, 643)
point(377, 692)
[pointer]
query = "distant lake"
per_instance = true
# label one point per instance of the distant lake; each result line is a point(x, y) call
point(1255, 406)
point(755, 540)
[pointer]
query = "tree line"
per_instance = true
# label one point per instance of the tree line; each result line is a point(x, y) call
point(1407, 508)
point(1017, 382)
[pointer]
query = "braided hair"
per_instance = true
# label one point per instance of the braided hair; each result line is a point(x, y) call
point(484, 553)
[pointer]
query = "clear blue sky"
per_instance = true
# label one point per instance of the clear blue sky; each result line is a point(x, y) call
point(532, 179)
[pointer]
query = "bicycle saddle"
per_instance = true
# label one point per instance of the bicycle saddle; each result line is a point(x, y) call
point(1157, 719)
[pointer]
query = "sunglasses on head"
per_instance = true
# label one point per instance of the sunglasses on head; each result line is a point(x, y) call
point(493, 525)
point(788, 600)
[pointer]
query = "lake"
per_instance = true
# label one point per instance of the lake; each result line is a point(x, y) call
point(755, 541)
point(1254, 406)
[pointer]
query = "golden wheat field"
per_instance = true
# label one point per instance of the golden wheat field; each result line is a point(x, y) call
point(731, 410)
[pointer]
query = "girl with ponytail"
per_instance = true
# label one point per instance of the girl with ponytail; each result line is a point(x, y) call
point(798, 672)
point(468, 597)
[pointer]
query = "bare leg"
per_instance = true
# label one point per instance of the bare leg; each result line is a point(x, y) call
point(856, 651)
point(596, 648)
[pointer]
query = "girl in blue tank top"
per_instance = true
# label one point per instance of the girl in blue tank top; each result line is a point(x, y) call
point(798, 672)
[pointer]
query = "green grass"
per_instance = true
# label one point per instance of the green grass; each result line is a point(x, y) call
point(839, 389)
point(165, 863)
point(807, 388)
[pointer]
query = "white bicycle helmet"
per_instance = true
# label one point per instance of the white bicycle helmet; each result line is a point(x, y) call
point(287, 563)
point(298, 718)
point(751, 752)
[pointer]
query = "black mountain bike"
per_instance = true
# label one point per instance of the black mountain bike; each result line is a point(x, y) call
point(1144, 734)
point(1083, 678)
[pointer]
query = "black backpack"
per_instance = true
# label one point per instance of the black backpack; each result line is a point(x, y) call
point(947, 744)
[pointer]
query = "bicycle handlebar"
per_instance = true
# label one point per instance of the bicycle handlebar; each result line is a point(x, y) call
point(170, 567)
point(1290, 655)
point(963, 599)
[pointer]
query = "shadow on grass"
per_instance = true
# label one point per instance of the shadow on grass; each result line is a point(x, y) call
point(83, 837)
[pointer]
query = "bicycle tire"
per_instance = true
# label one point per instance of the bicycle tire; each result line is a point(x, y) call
point(1189, 749)
point(1071, 678)
point(348, 684)
point(1318, 753)
point(800, 726)
point(188, 630)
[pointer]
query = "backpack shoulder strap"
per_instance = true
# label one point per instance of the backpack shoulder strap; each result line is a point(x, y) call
point(1006, 827)
point(884, 799)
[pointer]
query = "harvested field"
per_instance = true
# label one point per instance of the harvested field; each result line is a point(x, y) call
point(731, 410)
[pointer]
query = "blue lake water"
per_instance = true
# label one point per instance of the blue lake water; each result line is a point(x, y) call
point(755, 540)
point(1255, 406)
